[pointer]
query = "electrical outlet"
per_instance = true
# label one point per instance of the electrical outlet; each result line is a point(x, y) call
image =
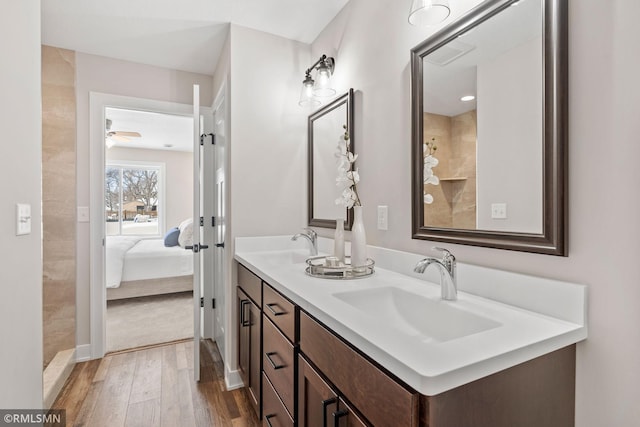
point(383, 218)
point(499, 211)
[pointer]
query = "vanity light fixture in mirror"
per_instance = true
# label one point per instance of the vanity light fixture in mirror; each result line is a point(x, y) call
point(324, 128)
point(494, 166)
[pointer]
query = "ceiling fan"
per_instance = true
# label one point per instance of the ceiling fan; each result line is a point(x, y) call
point(117, 135)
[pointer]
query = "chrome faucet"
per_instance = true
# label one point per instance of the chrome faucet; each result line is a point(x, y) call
point(312, 237)
point(447, 267)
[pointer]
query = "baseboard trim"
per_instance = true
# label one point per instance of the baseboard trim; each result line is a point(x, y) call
point(83, 352)
point(232, 379)
point(56, 374)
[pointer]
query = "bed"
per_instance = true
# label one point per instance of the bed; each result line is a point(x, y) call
point(139, 267)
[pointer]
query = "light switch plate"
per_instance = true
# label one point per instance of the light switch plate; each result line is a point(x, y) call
point(383, 218)
point(23, 219)
point(83, 214)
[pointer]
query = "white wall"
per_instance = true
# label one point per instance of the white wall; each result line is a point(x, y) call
point(20, 175)
point(178, 179)
point(509, 155)
point(372, 55)
point(267, 144)
point(116, 77)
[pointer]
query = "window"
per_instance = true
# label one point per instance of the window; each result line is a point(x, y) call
point(133, 195)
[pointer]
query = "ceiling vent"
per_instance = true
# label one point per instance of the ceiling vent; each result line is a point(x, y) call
point(448, 53)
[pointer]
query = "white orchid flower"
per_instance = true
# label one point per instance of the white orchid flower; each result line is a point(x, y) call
point(428, 199)
point(354, 176)
point(427, 171)
point(432, 180)
point(431, 161)
point(351, 157)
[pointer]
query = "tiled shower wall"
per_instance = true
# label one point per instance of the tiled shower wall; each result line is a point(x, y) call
point(58, 200)
point(454, 199)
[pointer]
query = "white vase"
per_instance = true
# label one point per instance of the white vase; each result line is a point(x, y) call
point(338, 241)
point(358, 239)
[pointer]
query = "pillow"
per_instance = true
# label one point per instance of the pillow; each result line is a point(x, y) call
point(171, 238)
point(186, 233)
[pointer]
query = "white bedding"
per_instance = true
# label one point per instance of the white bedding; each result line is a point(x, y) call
point(116, 249)
point(146, 259)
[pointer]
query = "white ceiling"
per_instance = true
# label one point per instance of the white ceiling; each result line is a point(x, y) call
point(157, 129)
point(183, 35)
point(444, 85)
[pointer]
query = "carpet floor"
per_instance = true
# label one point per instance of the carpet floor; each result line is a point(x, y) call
point(138, 322)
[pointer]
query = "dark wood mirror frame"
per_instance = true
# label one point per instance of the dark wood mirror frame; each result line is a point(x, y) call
point(346, 99)
point(553, 239)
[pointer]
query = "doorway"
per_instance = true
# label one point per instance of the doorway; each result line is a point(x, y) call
point(121, 213)
point(148, 201)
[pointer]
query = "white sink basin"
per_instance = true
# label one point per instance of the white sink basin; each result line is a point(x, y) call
point(424, 318)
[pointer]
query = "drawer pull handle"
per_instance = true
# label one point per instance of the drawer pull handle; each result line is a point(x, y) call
point(268, 419)
point(337, 416)
point(273, 364)
point(275, 313)
point(325, 404)
point(244, 319)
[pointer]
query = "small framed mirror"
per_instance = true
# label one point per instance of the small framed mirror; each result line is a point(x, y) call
point(489, 128)
point(324, 128)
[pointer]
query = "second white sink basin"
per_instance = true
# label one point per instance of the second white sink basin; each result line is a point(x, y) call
point(425, 318)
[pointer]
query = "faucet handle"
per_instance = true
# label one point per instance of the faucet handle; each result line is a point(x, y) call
point(311, 232)
point(446, 254)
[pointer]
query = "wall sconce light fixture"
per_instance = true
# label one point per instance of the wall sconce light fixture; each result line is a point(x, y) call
point(428, 12)
point(314, 90)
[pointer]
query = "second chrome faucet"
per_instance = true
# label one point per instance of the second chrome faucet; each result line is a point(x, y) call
point(312, 237)
point(447, 268)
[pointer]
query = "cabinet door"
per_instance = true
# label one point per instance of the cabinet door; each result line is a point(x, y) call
point(244, 343)
point(249, 350)
point(346, 417)
point(316, 400)
point(255, 356)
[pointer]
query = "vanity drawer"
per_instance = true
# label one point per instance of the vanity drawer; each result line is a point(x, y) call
point(277, 362)
point(250, 284)
point(280, 310)
point(382, 400)
point(275, 414)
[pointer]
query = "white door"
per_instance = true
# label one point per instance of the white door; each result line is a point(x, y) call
point(219, 223)
point(197, 277)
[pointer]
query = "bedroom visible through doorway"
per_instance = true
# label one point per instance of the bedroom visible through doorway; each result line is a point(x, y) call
point(148, 199)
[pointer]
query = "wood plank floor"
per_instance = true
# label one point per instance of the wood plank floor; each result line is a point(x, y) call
point(154, 387)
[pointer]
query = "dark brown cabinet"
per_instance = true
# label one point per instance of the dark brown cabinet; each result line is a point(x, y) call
point(299, 372)
point(250, 334)
point(319, 404)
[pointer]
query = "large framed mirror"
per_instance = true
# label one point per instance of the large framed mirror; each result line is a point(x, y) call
point(489, 128)
point(324, 128)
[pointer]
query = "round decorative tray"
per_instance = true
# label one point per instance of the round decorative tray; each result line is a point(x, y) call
point(328, 267)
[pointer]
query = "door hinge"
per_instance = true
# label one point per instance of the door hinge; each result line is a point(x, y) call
point(204, 135)
point(213, 221)
point(201, 221)
point(213, 139)
point(213, 302)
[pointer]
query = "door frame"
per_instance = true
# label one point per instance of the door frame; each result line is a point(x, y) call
point(97, 290)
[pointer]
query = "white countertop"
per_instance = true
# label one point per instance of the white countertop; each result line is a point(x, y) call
point(534, 316)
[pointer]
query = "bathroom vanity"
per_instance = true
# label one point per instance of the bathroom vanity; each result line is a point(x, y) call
point(386, 351)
